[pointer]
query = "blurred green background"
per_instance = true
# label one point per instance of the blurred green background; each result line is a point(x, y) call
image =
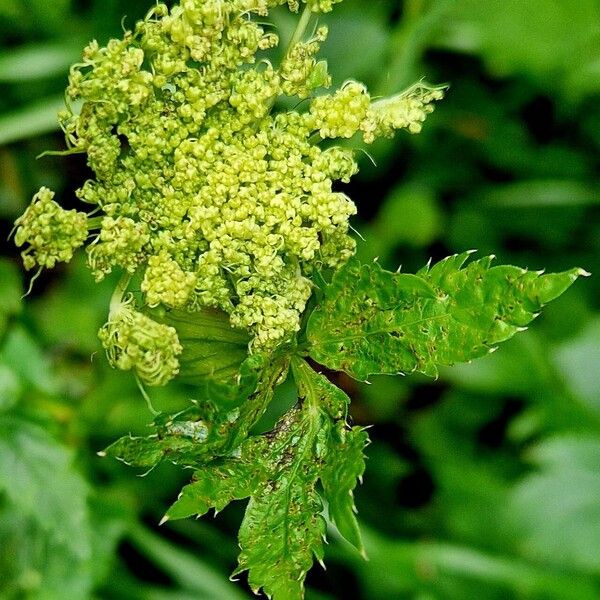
point(484, 484)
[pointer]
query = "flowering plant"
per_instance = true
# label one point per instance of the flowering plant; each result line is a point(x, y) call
point(217, 206)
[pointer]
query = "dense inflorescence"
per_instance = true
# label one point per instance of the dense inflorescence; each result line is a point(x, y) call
point(51, 232)
point(206, 190)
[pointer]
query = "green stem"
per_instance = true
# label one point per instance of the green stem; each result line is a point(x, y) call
point(296, 37)
point(300, 29)
point(408, 43)
point(142, 389)
point(94, 223)
point(116, 300)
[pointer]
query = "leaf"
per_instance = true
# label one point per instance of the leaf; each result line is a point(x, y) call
point(374, 321)
point(343, 468)
point(343, 463)
point(212, 349)
point(541, 194)
point(556, 510)
point(215, 486)
point(24, 357)
point(578, 360)
point(34, 119)
point(38, 479)
point(187, 438)
point(214, 425)
point(10, 388)
point(38, 61)
point(526, 37)
point(197, 576)
point(282, 528)
point(396, 570)
point(34, 565)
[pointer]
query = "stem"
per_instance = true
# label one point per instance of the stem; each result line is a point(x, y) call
point(116, 300)
point(296, 37)
point(408, 42)
point(300, 28)
point(142, 389)
point(94, 223)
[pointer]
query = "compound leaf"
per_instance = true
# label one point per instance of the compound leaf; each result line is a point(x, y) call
point(283, 528)
point(375, 321)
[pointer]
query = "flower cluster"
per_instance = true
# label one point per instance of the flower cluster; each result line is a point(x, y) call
point(133, 340)
point(51, 232)
point(211, 193)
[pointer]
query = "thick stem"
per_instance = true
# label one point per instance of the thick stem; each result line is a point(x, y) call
point(94, 223)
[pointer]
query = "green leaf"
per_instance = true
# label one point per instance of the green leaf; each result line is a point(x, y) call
point(375, 321)
point(197, 576)
point(10, 388)
point(34, 564)
point(395, 570)
point(49, 496)
point(343, 459)
point(283, 528)
point(187, 438)
point(526, 37)
point(556, 510)
point(34, 119)
point(343, 468)
point(214, 425)
point(24, 357)
point(38, 61)
point(215, 486)
point(212, 349)
point(578, 360)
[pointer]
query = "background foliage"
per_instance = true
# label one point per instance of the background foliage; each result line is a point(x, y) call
point(483, 484)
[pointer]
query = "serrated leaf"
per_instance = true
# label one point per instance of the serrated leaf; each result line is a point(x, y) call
point(215, 486)
point(343, 468)
point(374, 321)
point(185, 438)
point(283, 528)
point(147, 452)
point(343, 461)
point(213, 426)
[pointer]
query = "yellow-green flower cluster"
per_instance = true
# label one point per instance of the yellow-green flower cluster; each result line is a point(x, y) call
point(134, 341)
point(208, 191)
point(350, 110)
point(51, 232)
